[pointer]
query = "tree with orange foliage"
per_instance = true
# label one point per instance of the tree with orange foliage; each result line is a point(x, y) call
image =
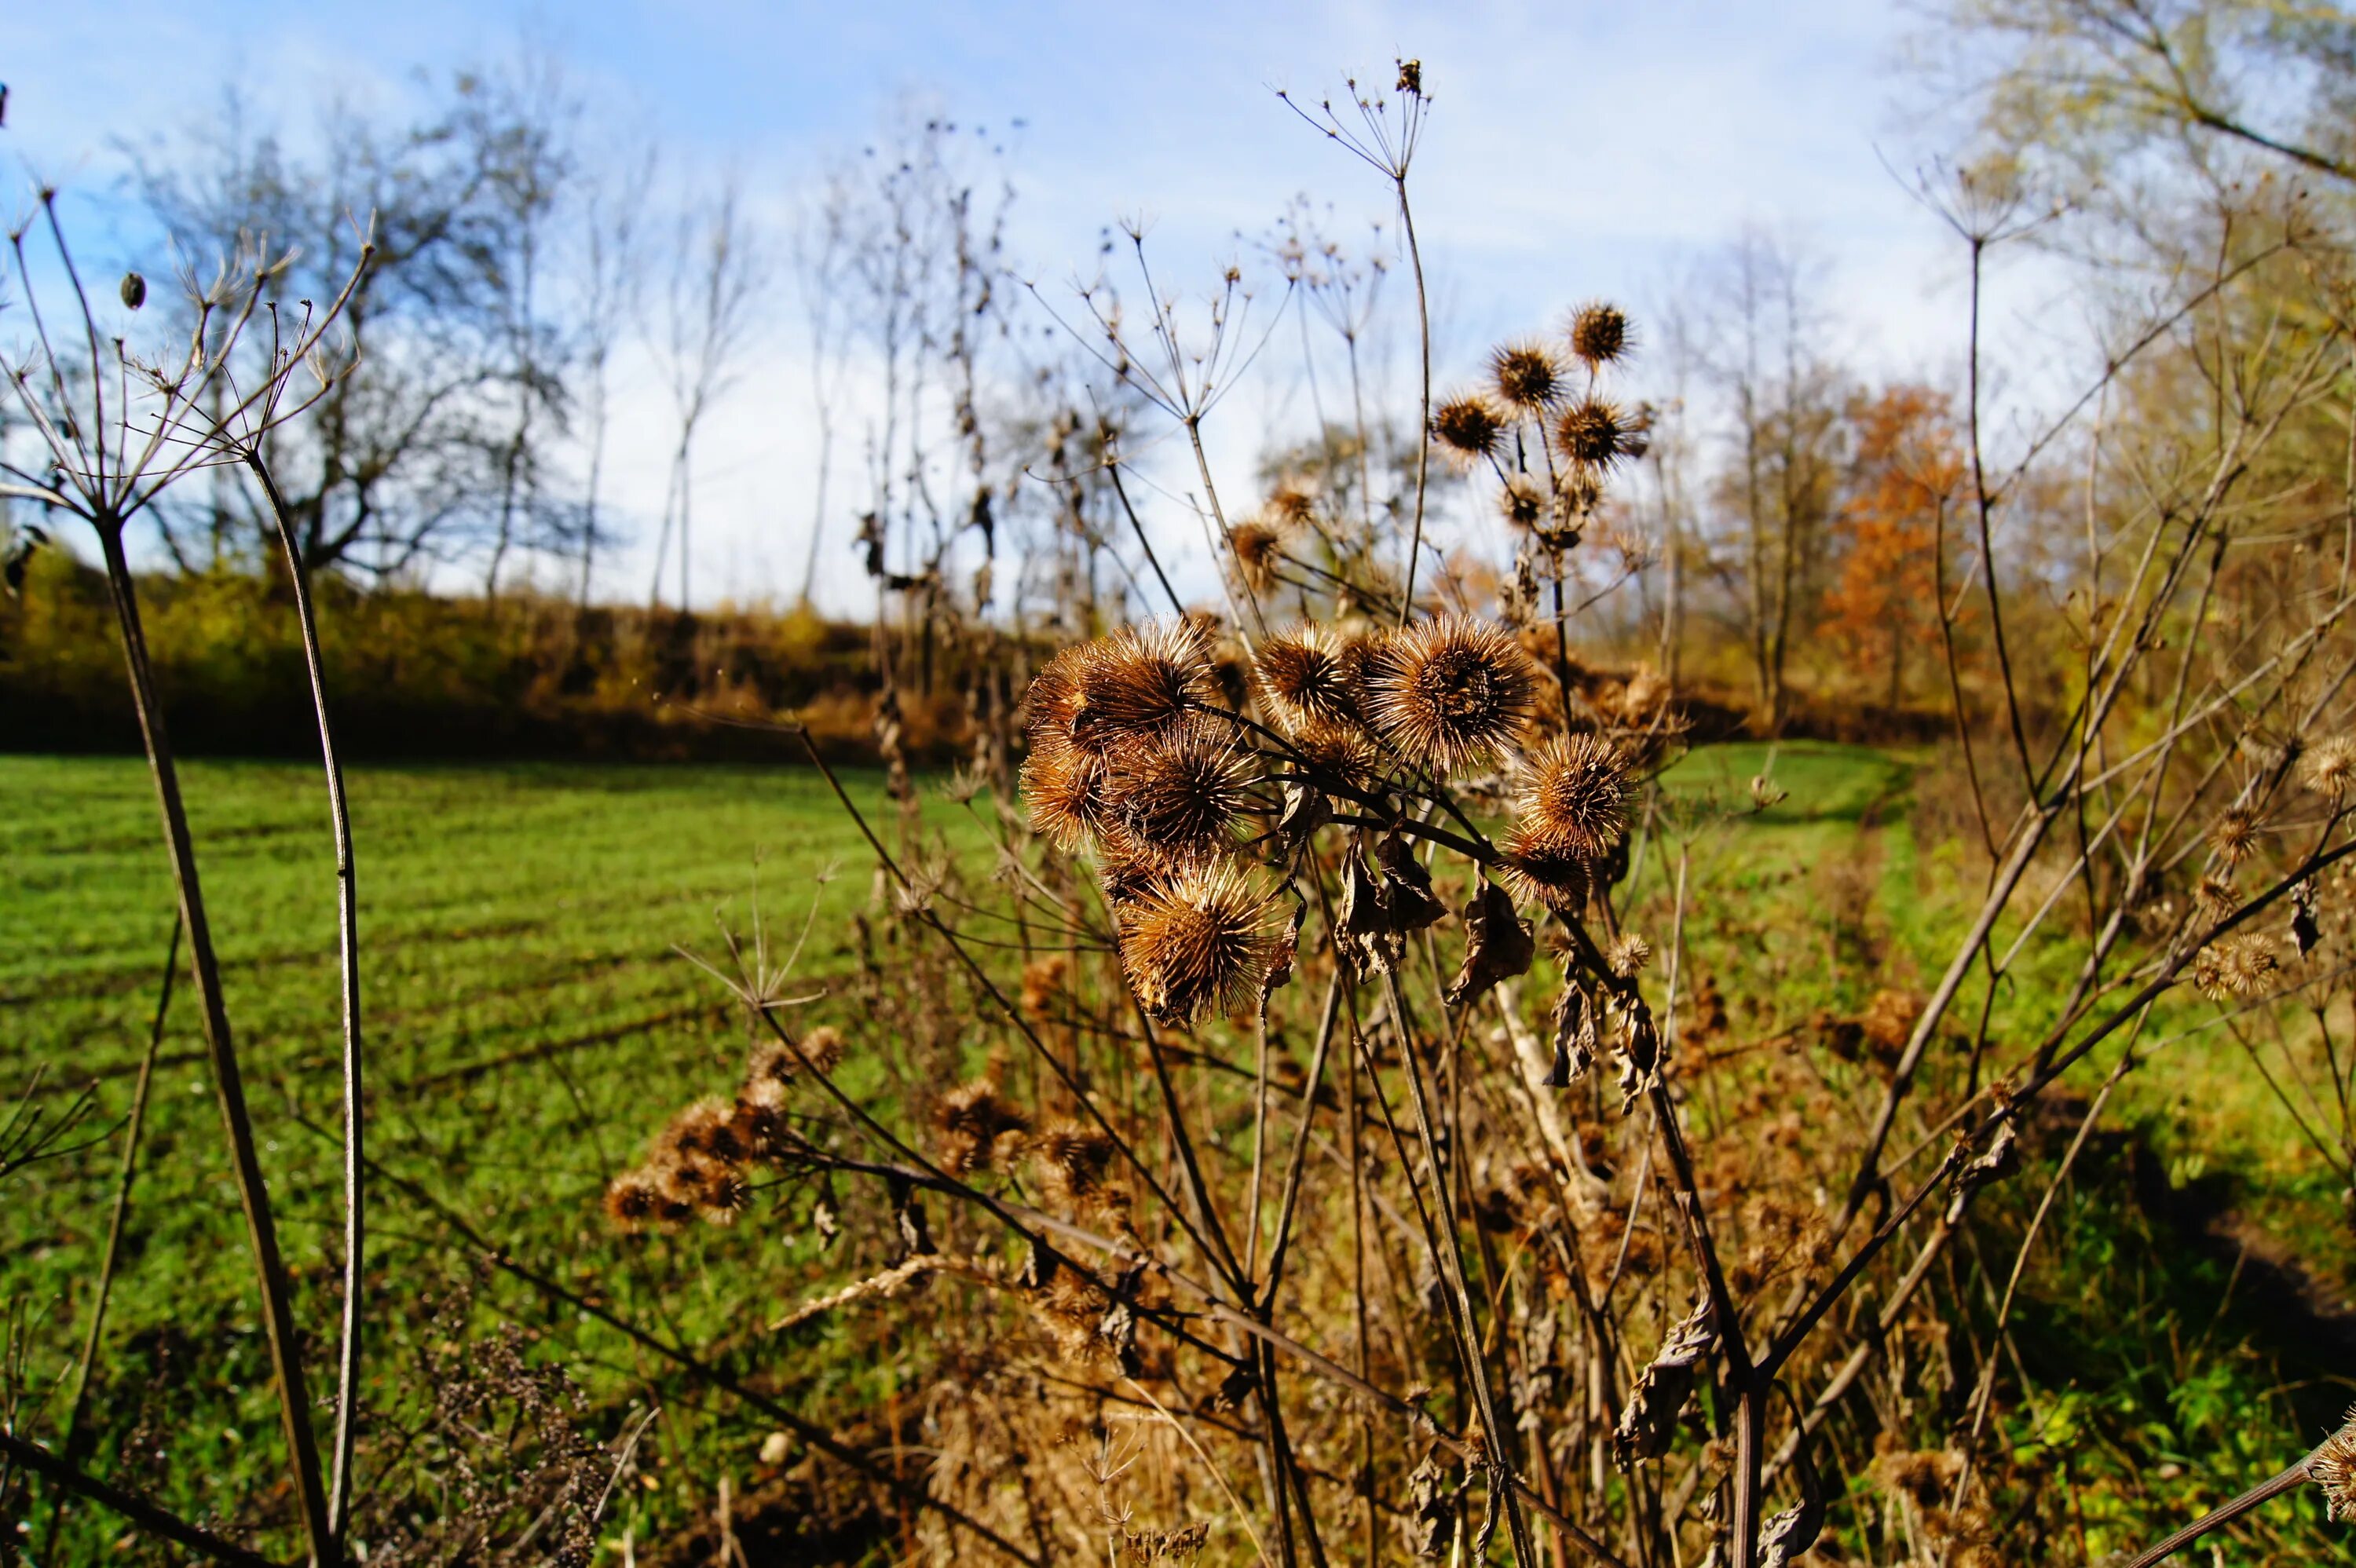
point(1905, 472)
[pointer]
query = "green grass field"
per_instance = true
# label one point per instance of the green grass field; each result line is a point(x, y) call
point(530, 1021)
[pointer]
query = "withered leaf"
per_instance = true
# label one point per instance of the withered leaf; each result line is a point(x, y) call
point(1407, 887)
point(1280, 967)
point(1795, 1529)
point(1373, 943)
point(1650, 1419)
point(915, 1236)
point(1433, 1509)
point(1574, 1037)
point(1497, 945)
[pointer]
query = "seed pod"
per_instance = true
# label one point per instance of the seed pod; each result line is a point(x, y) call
point(135, 290)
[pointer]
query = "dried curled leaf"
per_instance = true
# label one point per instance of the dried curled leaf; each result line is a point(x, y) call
point(1497, 945)
point(1576, 1037)
point(1660, 1394)
point(1433, 1509)
point(1793, 1531)
point(1381, 903)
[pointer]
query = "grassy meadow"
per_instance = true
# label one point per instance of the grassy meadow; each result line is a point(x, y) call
point(531, 1021)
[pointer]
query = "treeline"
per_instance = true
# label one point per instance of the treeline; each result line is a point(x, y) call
point(415, 675)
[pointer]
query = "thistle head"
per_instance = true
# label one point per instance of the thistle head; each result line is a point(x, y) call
point(1576, 790)
point(1597, 435)
point(1304, 674)
point(1600, 334)
point(1468, 426)
point(1523, 502)
point(1198, 944)
point(1140, 681)
point(1175, 796)
point(1257, 547)
point(1450, 692)
point(2331, 767)
point(2333, 1468)
point(1064, 788)
point(1546, 870)
point(1527, 375)
point(975, 1124)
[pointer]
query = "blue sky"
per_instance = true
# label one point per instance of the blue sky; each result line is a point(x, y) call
point(1573, 150)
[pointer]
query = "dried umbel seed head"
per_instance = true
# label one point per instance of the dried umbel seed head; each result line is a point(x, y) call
point(1198, 945)
point(1450, 692)
point(1142, 680)
point(1258, 547)
point(975, 1124)
point(1065, 789)
point(1305, 675)
point(1523, 502)
point(1628, 956)
point(2331, 767)
point(1526, 375)
point(1576, 790)
point(1595, 433)
point(1547, 871)
point(1175, 797)
point(2235, 835)
point(1600, 334)
point(1468, 426)
point(2239, 967)
point(2334, 1469)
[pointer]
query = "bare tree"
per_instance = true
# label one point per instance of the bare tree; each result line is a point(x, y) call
point(716, 273)
point(615, 260)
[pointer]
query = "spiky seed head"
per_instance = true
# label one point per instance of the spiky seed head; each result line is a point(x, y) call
point(726, 1194)
point(1600, 334)
point(1124, 878)
point(2215, 894)
point(764, 1130)
point(1576, 789)
point(1305, 677)
point(1290, 507)
point(1197, 945)
point(1064, 788)
point(1593, 433)
point(1341, 752)
point(1526, 375)
point(2331, 766)
point(1628, 956)
point(1544, 870)
point(632, 1201)
point(707, 1131)
point(1468, 426)
point(2238, 966)
point(1143, 680)
point(773, 1063)
point(2333, 1468)
point(2235, 835)
point(975, 1124)
point(1054, 699)
point(1449, 692)
point(1256, 545)
point(1175, 797)
point(1522, 501)
point(1073, 1162)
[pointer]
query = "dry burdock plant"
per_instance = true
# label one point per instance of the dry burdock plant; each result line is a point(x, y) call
point(1347, 1142)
